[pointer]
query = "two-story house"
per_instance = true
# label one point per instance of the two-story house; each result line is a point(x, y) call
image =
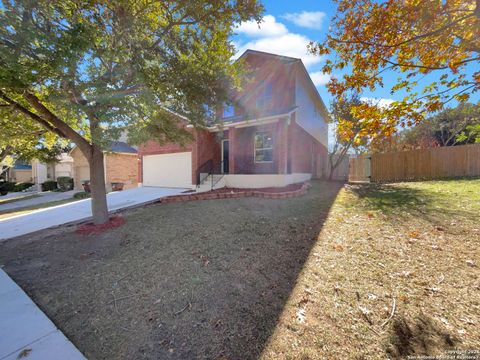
point(273, 133)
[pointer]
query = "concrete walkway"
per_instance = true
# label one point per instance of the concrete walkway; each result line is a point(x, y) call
point(79, 210)
point(25, 331)
point(43, 197)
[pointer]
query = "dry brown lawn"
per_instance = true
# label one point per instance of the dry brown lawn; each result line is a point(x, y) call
point(409, 249)
point(355, 272)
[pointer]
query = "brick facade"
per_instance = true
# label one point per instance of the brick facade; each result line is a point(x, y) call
point(121, 168)
point(118, 168)
point(242, 150)
point(294, 149)
point(263, 70)
point(207, 147)
point(306, 154)
point(204, 146)
point(237, 193)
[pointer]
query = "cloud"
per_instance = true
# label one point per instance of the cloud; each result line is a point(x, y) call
point(274, 37)
point(319, 78)
point(381, 102)
point(269, 27)
point(306, 19)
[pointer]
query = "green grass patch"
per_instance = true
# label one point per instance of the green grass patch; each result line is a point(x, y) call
point(28, 209)
point(437, 198)
point(15, 199)
point(82, 195)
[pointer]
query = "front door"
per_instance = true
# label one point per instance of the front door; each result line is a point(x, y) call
point(225, 166)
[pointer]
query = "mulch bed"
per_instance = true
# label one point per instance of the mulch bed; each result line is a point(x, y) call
point(91, 228)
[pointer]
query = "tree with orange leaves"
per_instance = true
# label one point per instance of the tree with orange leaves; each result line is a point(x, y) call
point(348, 130)
point(416, 38)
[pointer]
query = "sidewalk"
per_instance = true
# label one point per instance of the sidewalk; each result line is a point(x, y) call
point(25, 331)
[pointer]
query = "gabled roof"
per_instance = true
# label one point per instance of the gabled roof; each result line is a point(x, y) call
point(298, 62)
point(64, 158)
point(122, 147)
point(263, 53)
point(22, 166)
point(117, 147)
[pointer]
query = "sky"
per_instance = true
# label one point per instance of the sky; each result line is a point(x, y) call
point(289, 25)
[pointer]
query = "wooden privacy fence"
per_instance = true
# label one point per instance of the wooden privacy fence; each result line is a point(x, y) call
point(359, 168)
point(422, 164)
point(342, 170)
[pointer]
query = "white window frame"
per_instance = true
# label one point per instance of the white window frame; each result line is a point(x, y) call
point(255, 149)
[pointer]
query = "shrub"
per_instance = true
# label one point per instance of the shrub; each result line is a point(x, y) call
point(3, 188)
point(65, 183)
point(49, 185)
point(8, 185)
point(21, 186)
point(81, 195)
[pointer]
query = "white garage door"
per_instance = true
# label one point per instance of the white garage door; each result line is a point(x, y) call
point(82, 173)
point(168, 170)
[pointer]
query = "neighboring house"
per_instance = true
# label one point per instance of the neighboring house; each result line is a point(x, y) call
point(20, 173)
point(38, 172)
point(42, 172)
point(121, 166)
point(64, 166)
point(274, 134)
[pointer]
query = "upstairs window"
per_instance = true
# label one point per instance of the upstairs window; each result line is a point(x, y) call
point(265, 95)
point(263, 147)
point(228, 110)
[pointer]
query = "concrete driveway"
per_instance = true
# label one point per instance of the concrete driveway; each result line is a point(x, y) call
point(79, 210)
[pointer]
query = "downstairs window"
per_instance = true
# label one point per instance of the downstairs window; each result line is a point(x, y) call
point(263, 147)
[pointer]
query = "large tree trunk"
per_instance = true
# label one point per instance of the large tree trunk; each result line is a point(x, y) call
point(332, 166)
point(330, 176)
point(97, 186)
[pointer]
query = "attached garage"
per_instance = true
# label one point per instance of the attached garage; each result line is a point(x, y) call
point(168, 170)
point(120, 162)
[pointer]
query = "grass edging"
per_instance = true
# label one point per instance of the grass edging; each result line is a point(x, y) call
point(18, 198)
